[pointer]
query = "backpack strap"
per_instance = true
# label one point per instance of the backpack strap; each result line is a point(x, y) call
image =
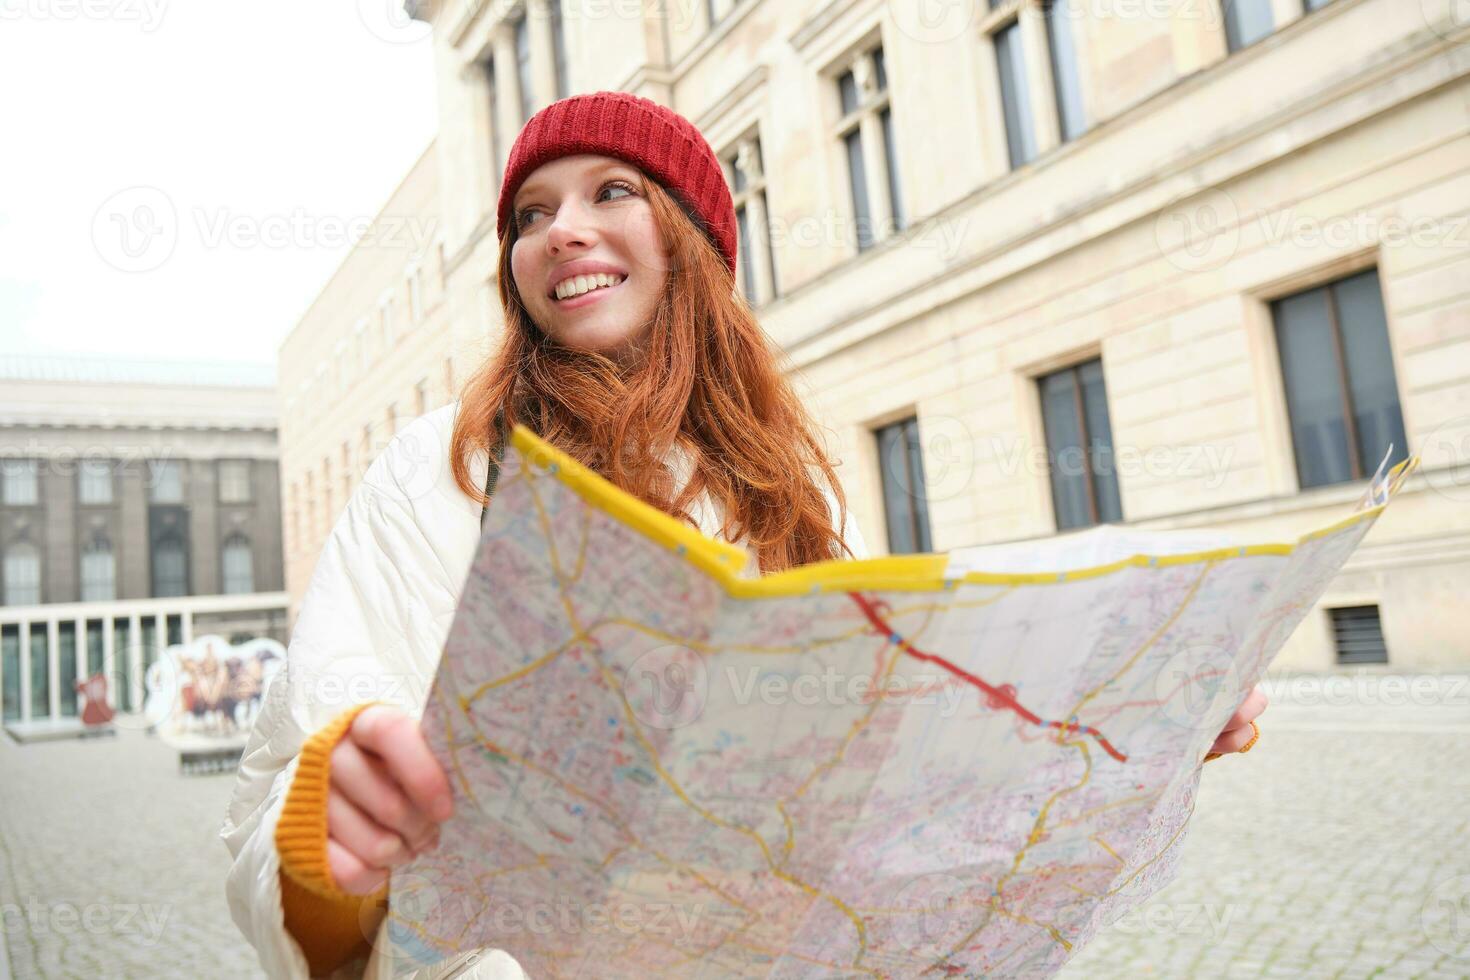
point(492, 472)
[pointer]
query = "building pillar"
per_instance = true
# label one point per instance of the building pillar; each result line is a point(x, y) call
point(135, 658)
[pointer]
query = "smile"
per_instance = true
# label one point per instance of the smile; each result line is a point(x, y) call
point(574, 288)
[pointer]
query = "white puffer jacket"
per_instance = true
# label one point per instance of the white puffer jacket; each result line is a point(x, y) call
point(371, 627)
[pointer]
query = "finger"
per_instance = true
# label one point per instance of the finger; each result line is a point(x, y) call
point(369, 841)
point(365, 783)
point(1232, 740)
point(1249, 710)
point(395, 738)
point(350, 874)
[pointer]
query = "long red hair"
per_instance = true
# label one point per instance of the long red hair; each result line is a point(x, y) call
point(708, 381)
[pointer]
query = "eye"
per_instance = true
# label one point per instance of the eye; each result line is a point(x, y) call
point(522, 218)
point(617, 185)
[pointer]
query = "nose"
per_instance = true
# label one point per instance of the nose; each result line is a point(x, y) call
point(570, 229)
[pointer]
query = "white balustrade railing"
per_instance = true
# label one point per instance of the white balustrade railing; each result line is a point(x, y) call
point(24, 625)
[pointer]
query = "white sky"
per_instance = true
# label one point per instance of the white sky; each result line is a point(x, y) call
point(279, 122)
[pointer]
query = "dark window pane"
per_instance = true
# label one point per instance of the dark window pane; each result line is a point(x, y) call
point(881, 70)
point(770, 246)
point(740, 183)
point(905, 504)
point(10, 669)
point(523, 58)
point(1357, 633)
point(559, 47)
point(1069, 477)
point(1020, 137)
point(1246, 22)
point(890, 149)
point(1314, 395)
point(1317, 4)
point(121, 680)
point(40, 675)
point(1100, 441)
point(847, 85)
point(95, 662)
point(67, 672)
point(857, 174)
point(1065, 72)
point(169, 568)
point(747, 273)
point(1375, 394)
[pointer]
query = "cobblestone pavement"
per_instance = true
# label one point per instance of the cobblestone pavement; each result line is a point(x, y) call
point(111, 863)
point(1340, 847)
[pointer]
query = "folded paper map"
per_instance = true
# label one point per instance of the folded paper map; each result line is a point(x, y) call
point(947, 765)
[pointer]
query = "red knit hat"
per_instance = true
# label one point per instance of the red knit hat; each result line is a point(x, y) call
point(639, 131)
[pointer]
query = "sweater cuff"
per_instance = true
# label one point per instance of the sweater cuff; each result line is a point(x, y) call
point(301, 831)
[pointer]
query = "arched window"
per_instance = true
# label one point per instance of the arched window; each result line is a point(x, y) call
point(170, 567)
point(239, 576)
point(22, 574)
point(99, 571)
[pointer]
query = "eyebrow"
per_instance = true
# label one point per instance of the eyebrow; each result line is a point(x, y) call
point(534, 187)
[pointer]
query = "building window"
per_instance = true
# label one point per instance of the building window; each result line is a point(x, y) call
point(1246, 22)
point(866, 133)
point(238, 575)
point(746, 175)
point(1357, 635)
point(415, 295)
point(234, 481)
point(559, 49)
point(22, 574)
point(523, 68)
point(94, 481)
point(1015, 95)
point(170, 566)
point(19, 481)
point(99, 571)
point(905, 499)
point(1079, 445)
point(165, 481)
point(364, 354)
point(1337, 369)
point(386, 324)
point(1066, 72)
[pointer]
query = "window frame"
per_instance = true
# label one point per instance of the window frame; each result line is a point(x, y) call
point(1092, 473)
point(920, 526)
point(756, 260)
point(872, 82)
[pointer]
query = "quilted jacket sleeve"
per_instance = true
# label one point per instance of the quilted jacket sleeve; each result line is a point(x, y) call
point(370, 628)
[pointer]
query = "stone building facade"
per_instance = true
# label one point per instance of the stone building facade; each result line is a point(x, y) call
point(1043, 265)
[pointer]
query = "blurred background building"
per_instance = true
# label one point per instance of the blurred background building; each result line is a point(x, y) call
point(139, 506)
point(1038, 265)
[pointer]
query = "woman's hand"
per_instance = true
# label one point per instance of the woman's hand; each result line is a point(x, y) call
point(386, 800)
point(1238, 729)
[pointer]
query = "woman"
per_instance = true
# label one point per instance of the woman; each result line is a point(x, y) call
point(626, 346)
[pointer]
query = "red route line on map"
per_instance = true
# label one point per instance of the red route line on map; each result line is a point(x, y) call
point(998, 697)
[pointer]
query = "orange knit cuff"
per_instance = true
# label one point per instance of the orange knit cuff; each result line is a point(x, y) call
point(301, 831)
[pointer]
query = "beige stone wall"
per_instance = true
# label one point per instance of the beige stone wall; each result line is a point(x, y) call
point(1207, 184)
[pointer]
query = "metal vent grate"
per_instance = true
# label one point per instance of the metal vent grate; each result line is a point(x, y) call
point(1357, 633)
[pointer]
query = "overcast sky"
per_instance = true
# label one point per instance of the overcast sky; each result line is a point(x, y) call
point(178, 179)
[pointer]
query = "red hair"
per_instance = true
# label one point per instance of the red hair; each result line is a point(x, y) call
point(707, 381)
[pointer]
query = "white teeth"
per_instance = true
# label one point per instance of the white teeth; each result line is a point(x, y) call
point(577, 285)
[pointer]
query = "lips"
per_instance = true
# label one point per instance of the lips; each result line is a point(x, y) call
point(581, 267)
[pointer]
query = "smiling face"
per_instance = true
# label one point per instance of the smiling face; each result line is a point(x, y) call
point(588, 260)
